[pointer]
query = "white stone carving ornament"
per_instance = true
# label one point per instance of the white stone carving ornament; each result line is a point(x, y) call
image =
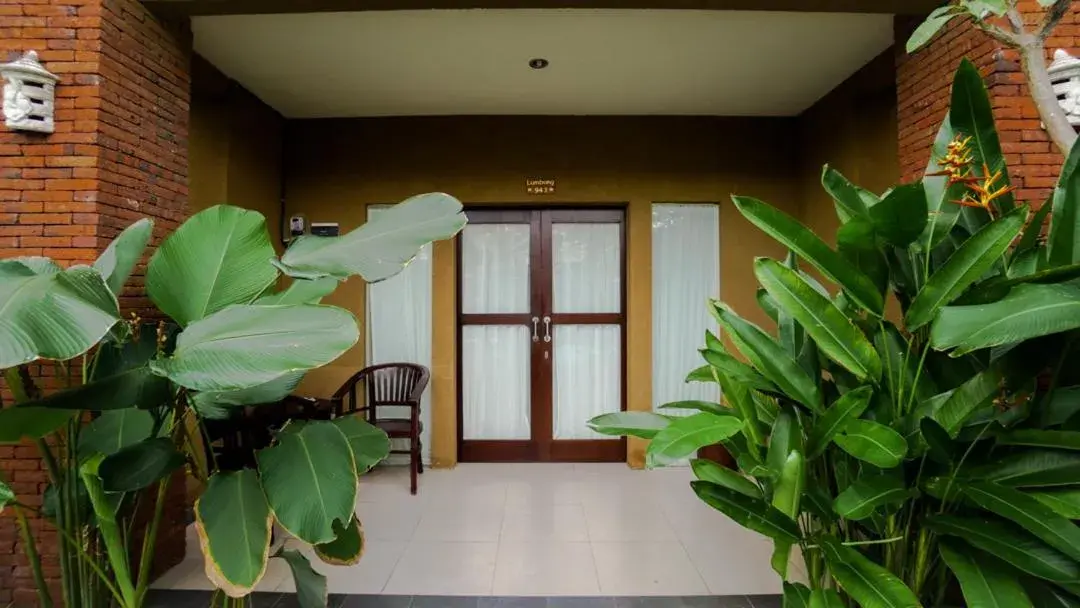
point(29, 94)
point(1065, 76)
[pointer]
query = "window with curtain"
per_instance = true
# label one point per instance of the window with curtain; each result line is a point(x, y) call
point(685, 274)
point(399, 326)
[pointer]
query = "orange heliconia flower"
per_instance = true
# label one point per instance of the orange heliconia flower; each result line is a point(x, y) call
point(981, 191)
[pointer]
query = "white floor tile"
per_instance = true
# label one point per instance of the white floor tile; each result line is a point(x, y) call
point(369, 576)
point(646, 568)
point(738, 565)
point(444, 568)
point(627, 521)
point(460, 523)
point(526, 492)
point(393, 521)
point(545, 568)
point(545, 522)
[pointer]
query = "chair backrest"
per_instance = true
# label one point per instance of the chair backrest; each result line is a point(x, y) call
point(387, 384)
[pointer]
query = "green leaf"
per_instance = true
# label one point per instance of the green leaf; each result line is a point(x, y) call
point(245, 346)
point(984, 583)
point(901, 215)
point(347, 548)
point(789, 485)
point(826, 598)
point(857, 242)
point(6, 496)
point(1031, 469)
point(137, 387)
point(1045, 595)
point(970, 261)
point(1064, 403)
point(970, 113)
point(311, 589)
point(139, 465)
point(233, 523)
point(930, 27)
point(1065, 440)
point(1009, 544)
point(768, 357)
point(1064, 240)
point(869, 492)
point(834, 333)
point(767, 304)
point(370, 445)
point(964, 401)
point(115, 430)
point(1064, 502)
point(866, 582)
point(1032, 231)
point(849, 204)
point(901, 370)
point(58, 316)
point(751, 513)
point(215, 404)
point(1029, 513)
point(872, 442)
point(302, 291)
point(796, 595)
point(18, 423)
point(739, 397)
point(786, 437)
point(848, 407)
point(219, 257)
point(685, 436)
point(938, 441)
point(119, 258)
point(699, 406)
point(380, 248)
point(27, 266)
point(707, 470)
point(737, 371)
point(940, 193)
point(309, 479)
point(635, 424)
point(809, 246)
point(1028, 311)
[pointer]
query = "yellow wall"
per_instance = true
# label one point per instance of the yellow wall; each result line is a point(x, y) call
point(337, 167)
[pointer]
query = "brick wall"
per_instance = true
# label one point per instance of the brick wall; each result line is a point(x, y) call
point(923, 82)
point(119, 153)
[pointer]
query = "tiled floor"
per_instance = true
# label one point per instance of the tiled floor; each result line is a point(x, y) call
point(536, 530)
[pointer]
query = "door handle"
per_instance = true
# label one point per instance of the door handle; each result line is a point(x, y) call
point(536, 328)
point(547, 329)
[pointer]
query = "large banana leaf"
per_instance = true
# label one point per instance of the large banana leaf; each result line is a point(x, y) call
point(970, 113)
point(115, 430)
point(27, 266)
point(219, 257)
point(347, 548)
point(857, 242)
point(302, 291)
point(736, 370)
point(967, 264)
point(809, 246)
point(739, 397)
point(1064, 502)
point(786, 437)
point(370, 445)
point(787, 493)
point(1064, 240)
point(752, 513)
point(768, 357)
point(872, 442)
point(140, 464)
point(698, 406)
point(1031, 469)
point(233, 523)
point(849, 204)
point(1065, 440)
point(964, 401)
point(119, 258)
point(309, 479)
point(833, 332)
point(862, 498)
point(635, 424)
point(1045, 595)
point(707, 470)
point(58, 315)
point(796, 595)
point(984, 583)
point(380, 248)
point(687, 435)
point(866, 582)
point(1064, 403)
point(848, 407)
point(901, 216)
point(1028, 513)
point(245, 346)
point(1028, 311)
point(1009, 544)
point(311, 588)
point(18, 423)
point(216, 404)
point(138, 387)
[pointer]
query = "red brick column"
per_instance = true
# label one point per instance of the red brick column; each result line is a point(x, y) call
point(923, 82)
point(119, 153)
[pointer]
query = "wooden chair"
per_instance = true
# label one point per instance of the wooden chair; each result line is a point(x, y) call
point(389, 385)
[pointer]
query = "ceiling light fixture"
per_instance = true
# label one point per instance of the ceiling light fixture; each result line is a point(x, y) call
point(538, 64)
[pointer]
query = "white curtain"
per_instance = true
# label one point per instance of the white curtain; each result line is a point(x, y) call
point(399, 329)
point(686, 273)
point(586, 261)
point(495, 359)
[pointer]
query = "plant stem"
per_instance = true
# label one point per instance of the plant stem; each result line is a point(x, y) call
point(44, 598)
point(110, 534)
point(149, 539)
point(92, 563)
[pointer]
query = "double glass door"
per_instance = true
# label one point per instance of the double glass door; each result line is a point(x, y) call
point(542, 329)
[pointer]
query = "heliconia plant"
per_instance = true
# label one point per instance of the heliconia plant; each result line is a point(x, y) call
point(232, 339)
point(914, 429)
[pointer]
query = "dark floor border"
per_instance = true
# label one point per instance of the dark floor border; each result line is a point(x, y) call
point(201, 599)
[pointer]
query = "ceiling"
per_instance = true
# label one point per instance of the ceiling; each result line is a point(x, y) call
point(603, 62)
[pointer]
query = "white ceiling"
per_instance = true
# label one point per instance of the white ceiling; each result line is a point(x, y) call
point(628, 62)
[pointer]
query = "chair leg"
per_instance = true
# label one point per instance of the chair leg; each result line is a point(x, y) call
point(414, 460)
point(419, 459)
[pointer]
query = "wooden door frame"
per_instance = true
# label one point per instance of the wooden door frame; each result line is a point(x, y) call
point(541, 450)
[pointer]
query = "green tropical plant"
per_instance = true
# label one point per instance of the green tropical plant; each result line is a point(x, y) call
point(916, 456)
point(234, 340)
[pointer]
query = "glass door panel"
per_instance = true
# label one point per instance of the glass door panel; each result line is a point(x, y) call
point(496, 385)
point(588, 377)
